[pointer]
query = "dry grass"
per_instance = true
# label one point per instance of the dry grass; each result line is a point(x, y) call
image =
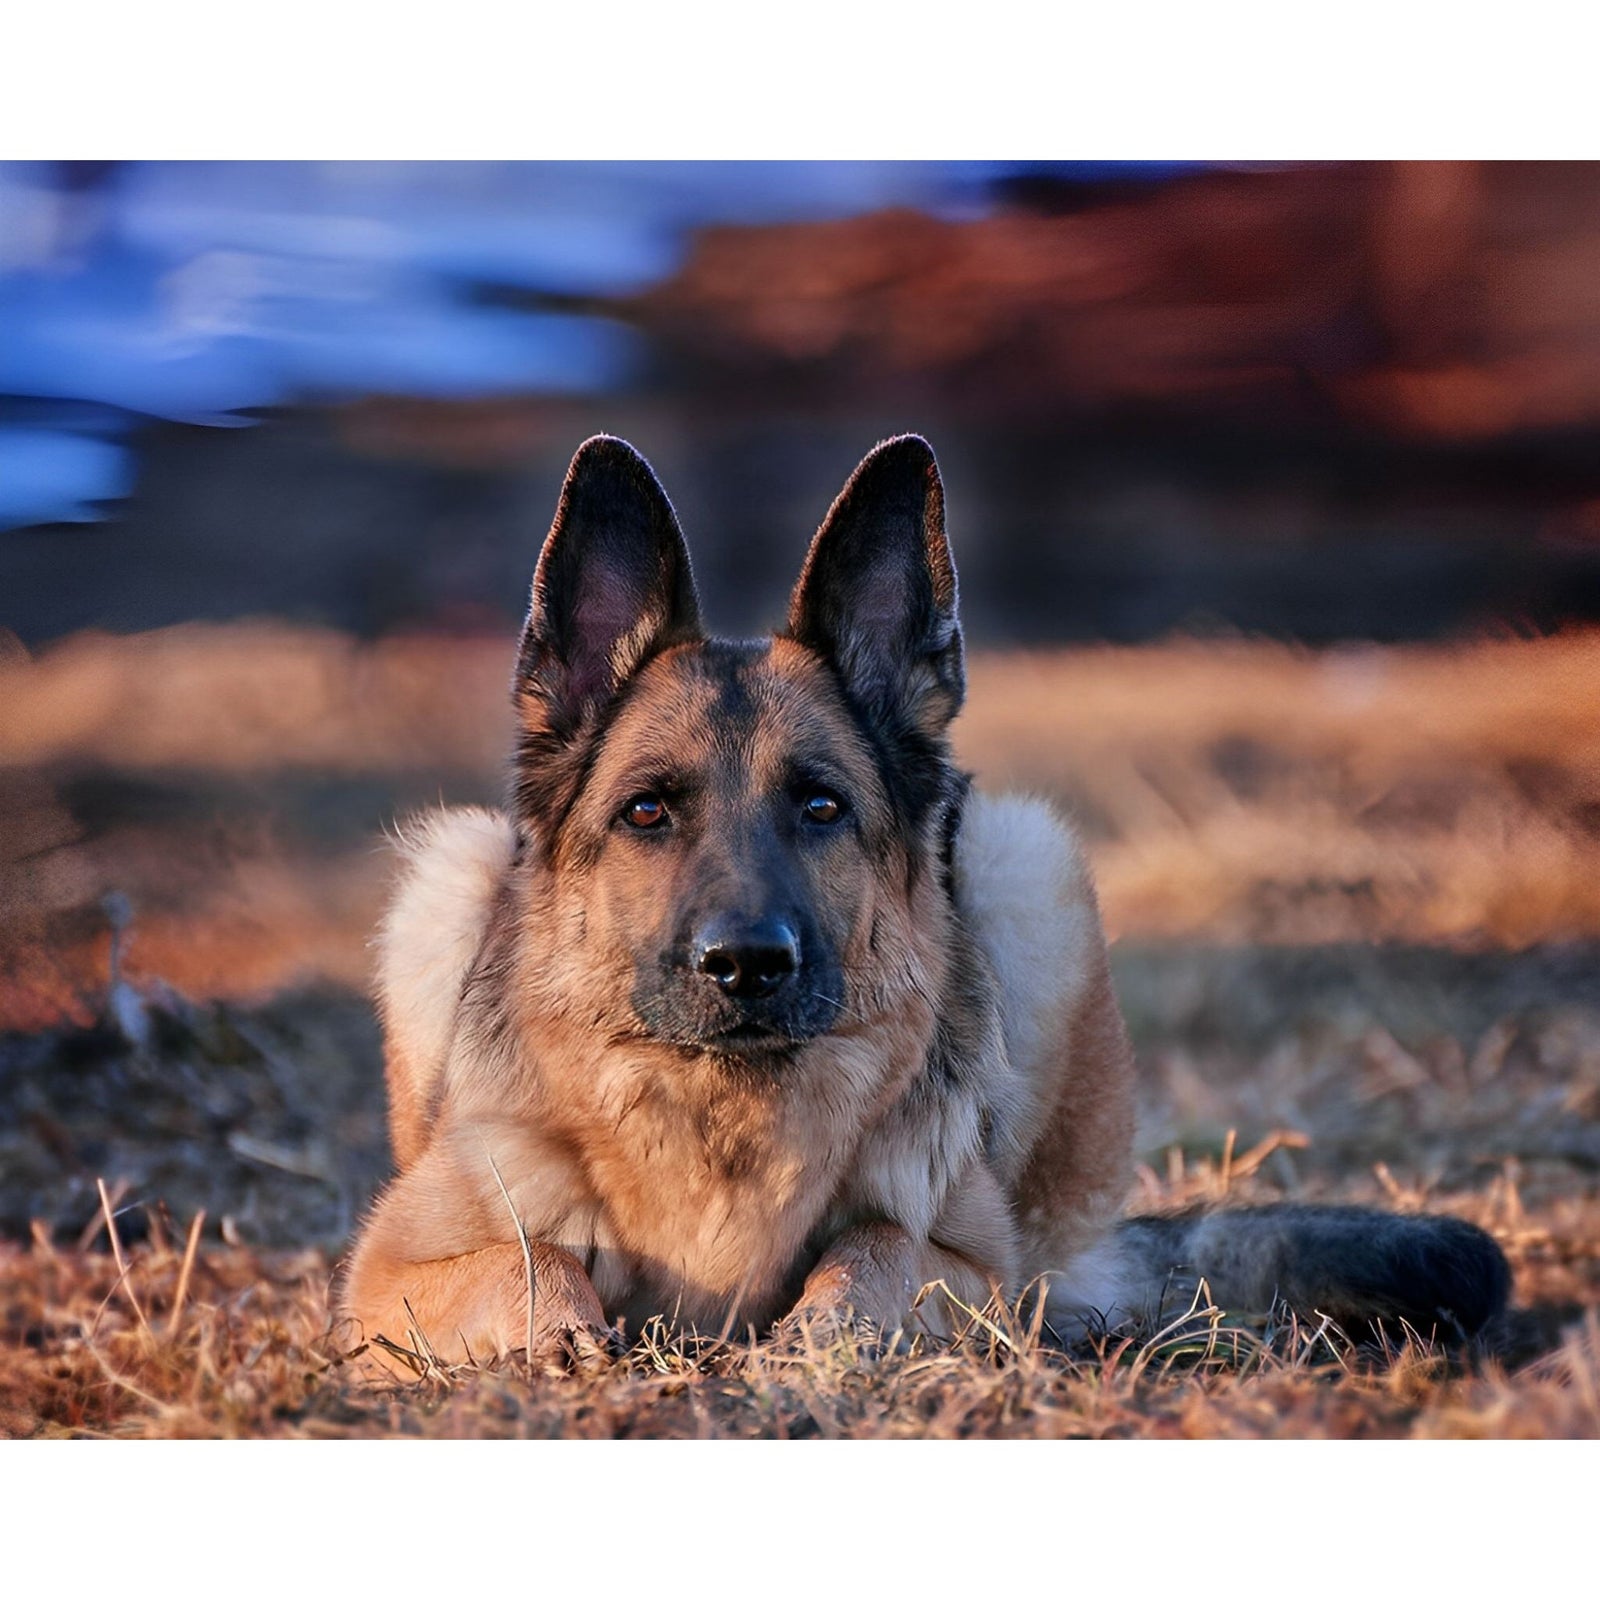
point(136, 1325)
point(231, 1343)
point(1245, 792)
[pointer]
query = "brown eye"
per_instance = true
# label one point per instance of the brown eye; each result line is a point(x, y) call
point(823, 807)
point(646, 811)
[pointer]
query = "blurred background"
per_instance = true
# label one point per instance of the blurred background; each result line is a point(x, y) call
point(1275, 492)
point(1323, 402)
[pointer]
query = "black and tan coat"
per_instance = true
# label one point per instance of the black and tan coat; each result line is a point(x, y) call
point(749, 1008)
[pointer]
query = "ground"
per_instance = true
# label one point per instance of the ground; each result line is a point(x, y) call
point(1354, 903)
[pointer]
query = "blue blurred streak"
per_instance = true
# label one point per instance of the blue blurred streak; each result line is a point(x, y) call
point(197, 291)
point(100, 334)
point(47, 476)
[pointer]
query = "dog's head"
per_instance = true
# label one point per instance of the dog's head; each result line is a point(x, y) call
point(745, 837)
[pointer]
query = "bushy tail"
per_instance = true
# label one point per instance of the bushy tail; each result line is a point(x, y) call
point(1441, 1276)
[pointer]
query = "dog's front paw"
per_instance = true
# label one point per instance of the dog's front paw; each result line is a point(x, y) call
point(820, 1326)
point(554, 1319)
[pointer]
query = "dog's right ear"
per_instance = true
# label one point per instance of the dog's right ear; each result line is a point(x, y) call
point(612, 588)
point(877, 596)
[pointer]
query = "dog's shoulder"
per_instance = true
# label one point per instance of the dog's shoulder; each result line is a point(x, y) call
point(1025, 890)
point(1016, 853)
point(454, 863)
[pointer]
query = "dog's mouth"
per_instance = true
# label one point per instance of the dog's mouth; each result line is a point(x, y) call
point(754, 1038)
point(692, 1018)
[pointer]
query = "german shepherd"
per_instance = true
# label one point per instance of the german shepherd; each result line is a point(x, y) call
point(750, 1010)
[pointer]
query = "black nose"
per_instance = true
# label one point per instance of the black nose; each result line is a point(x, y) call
point(749, 959)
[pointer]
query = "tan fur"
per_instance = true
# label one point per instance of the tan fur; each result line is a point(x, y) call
point(607, 1171)
point(953, 1100)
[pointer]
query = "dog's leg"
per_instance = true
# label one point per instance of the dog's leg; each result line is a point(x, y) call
point(872, 1274)
point(875, 1272)
point(443, 1264)
point(473, 1307)
point(868, 1272)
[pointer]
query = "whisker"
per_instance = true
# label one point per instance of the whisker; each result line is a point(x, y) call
point(838, 1005)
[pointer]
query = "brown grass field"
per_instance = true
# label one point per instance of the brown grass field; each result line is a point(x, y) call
point(1354, 899)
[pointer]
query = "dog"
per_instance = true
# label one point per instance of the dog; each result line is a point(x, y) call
point(750, 1011)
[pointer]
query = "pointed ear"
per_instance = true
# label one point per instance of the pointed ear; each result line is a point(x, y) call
point(612, 588)
point(877, 596)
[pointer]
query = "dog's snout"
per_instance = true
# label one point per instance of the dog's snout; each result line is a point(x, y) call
point(749, 960)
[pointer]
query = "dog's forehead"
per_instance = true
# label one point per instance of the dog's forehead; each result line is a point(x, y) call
point(763, 706)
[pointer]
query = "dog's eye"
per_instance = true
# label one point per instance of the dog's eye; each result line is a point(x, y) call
point(823, 806)
point(645, 811)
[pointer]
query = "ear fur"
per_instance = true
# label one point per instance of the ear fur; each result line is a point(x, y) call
point(613, 587)
point(877, 595)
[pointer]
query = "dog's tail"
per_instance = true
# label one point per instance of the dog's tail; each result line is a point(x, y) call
point(1440, 1276)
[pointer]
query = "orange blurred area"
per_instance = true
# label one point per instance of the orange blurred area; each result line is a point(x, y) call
point(1428, 299)
point(233, 785)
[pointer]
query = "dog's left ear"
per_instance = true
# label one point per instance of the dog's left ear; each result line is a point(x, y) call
point(877, 595)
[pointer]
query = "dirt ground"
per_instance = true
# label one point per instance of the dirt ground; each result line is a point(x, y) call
point(1355, 904)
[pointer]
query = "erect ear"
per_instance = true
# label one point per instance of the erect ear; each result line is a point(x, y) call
point(612, 588)
point(877, 595)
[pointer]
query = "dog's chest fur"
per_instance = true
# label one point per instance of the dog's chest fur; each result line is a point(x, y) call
point(687, 1182)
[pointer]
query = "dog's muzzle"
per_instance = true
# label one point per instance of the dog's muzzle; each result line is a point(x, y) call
point(743, 985)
